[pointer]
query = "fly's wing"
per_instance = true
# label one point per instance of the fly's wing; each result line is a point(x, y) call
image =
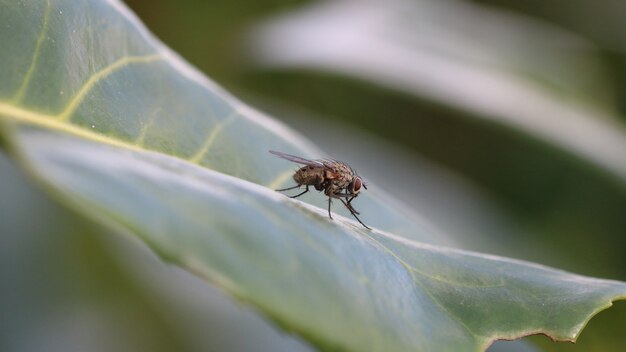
point(297, 159)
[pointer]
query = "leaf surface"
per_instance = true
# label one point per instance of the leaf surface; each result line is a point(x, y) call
point(122, 130)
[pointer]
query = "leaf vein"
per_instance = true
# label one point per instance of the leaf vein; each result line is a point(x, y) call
point(19, 95)
point(66, 115)
point(144, 129)
point(197, 157)
point(282, 177)
point(411, 270)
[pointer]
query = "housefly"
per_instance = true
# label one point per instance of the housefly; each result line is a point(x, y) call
point(338, 180)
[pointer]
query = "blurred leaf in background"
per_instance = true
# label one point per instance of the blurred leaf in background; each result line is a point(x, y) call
point(599, 22)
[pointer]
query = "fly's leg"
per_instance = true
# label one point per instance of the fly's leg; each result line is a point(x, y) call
point(349, 206)
point(328, 192)
point(329, 202)
point(340, 196)
point(299, 194)
point(287, 189)
point(294, 187)
point(354, 212)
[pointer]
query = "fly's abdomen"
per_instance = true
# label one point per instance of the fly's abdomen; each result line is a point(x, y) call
point(308, 175)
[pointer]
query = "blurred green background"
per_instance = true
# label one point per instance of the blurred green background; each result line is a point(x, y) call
point(499, 122)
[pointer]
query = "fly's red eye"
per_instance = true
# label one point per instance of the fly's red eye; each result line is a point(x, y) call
point(357, 185)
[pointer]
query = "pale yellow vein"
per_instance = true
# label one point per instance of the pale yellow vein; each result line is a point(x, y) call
point(103, 73)
point(280, 179)
point(33, 64)
point(144, 129)
point(412, 271)
point(500, 282)
point(196, 158)
point(50, 122)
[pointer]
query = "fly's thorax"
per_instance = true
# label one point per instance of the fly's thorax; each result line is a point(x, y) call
point(340, 174)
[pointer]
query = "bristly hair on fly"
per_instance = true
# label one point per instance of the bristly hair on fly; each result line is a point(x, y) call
point(335, 178)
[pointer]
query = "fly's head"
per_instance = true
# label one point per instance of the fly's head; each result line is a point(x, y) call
point(356, 185)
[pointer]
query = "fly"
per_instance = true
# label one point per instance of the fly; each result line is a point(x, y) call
point(338, 180)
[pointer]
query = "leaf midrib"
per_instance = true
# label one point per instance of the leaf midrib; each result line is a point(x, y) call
point(61, 121)
point(54, 123)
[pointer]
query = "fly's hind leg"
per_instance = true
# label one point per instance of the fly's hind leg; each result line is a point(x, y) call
point(299, 194)
point(288, 188)
point(294, 187)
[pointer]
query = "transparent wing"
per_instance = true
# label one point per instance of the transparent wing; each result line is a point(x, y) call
point(297, 159)
point(332, 163)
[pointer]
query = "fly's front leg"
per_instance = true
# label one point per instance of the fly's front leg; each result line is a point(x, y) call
point(340, 196)
point(350, 208)
point(353, 212)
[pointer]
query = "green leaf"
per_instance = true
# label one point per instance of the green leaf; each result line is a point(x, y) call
point(61, 273)
point(447, 72)
point(121, 86)
point(124, 132)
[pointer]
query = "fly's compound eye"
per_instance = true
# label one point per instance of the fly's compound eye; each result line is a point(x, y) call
point(356, 185)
